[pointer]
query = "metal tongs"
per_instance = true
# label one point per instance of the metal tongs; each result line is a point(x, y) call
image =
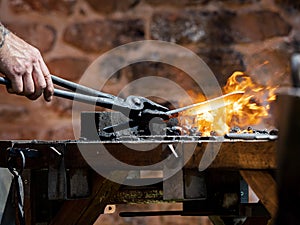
point(133, 106)
point(139, 110)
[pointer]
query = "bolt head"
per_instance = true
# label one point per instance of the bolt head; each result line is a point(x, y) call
point(137, 101)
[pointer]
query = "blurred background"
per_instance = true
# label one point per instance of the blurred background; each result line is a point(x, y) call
point(254, 36)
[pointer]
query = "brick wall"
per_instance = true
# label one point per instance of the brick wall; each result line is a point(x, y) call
point(256, 36)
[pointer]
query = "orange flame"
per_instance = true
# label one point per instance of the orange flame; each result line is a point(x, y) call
point(249, 110)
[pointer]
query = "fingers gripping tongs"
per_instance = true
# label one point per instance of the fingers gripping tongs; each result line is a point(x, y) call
point(138, 109)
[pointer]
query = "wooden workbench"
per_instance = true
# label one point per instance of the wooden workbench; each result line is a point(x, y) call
point(253, 160)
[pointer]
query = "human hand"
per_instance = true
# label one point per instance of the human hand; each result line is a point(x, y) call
point(24, 66)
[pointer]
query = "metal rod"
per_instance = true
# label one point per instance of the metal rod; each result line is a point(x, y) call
point(208, 105)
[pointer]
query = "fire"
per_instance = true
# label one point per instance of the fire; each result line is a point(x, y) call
point(250, 109)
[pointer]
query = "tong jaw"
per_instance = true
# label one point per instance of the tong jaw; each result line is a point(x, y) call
point(142, 111)
point(145, 108)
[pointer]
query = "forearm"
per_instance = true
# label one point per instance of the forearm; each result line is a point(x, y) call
point(3, 33)
point(24, 66)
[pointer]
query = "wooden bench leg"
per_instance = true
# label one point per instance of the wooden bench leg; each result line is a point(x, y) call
point(264, 186)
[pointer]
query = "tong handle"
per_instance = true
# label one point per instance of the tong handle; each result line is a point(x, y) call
point(295, 68)
point(80, 88)
point(115, 104)
point(4, 81)
point(71, 86)
point(105, 100)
